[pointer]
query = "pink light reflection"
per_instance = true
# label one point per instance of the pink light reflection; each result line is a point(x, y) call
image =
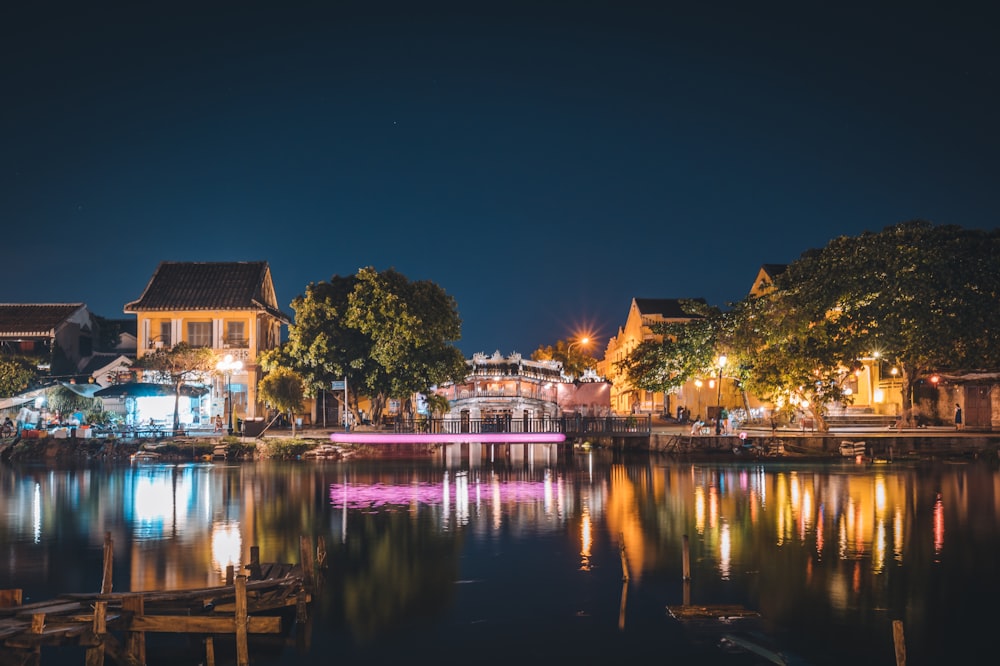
point(380, 494)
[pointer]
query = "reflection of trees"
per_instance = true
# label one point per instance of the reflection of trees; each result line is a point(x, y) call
point(394, 566)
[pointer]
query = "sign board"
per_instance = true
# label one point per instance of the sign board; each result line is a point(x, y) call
point(338, 386)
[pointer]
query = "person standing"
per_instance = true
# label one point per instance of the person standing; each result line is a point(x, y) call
point(958, 416)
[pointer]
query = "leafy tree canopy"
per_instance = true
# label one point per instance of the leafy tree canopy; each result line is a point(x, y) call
point(17, 374)
point(919, 295)
point(389, 336)
point(575, 356)
point(283, 389)
point(682, 351)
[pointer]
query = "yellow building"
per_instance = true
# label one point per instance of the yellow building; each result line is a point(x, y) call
point(642, 315)
point(230, 307)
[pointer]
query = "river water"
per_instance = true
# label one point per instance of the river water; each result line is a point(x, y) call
point(489, 554)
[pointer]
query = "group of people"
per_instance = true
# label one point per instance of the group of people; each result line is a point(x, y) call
point(698, 425)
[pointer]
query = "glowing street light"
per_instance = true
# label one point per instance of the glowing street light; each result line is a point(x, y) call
point(718, 397)
point(228, 366)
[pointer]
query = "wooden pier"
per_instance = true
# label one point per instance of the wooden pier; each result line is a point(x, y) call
point(114, 624)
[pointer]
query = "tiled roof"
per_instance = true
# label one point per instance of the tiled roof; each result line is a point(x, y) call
point(237, 285)
point(34, 318)
point(668, 308)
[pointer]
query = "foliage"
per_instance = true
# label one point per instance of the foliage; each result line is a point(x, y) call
point(283, 389)
point(388, 336)
point(178, 365)
point(922, 296)
point(573, 355)
point(67, 401)
point(283, 449)
point(682, 351)
point(17, 374)
point(437, 404)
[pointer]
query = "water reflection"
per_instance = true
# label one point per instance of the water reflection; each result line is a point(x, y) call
point(536, 542)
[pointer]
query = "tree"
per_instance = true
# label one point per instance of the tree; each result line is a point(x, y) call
point(17, 374)
point(67, 401)
point(682, 351)
point(177, 366)
point(923, 296)
point(283, 389)
point(388, 336)
point(572, 354)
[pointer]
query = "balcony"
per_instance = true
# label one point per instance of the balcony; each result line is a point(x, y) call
point(236, 343)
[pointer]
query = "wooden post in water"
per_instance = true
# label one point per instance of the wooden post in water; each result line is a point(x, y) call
point(109, 561)
point(230, 575)
point(254, 562)
point(686, 570)
point(308, 564)
point(320, 552)
point(11, 598)
point(95, 655)
point(135, 641)
point(300, 607)
point(209, 651)
point(241, 619)
point(898, 642)
point(621, 549)
point(686, 559)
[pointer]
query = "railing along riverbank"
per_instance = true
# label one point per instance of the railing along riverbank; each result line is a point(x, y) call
point(570, 425)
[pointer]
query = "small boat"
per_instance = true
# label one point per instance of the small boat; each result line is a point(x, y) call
point(850, 449)
point(145, 456)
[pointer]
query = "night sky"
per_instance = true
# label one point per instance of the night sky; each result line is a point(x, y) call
point(544, 162)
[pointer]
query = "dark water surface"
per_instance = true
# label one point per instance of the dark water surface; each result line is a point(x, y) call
point(513, 555)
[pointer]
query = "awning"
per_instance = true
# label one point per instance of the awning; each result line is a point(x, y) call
point(84, 390)
point(147, 390)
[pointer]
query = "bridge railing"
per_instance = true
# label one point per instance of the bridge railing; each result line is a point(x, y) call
point(570, 425)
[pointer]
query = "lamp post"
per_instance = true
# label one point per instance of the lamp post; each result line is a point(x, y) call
point(698, 383)
point(228, 366)
point(718, 399)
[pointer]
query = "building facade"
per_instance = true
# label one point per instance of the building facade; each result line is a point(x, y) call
point(512, 388)
point(230, 307)
point(643, 314)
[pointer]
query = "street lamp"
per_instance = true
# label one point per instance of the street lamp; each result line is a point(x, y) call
point(698, 383)
point(583, 342)
point(228, 366)
point(718, 398)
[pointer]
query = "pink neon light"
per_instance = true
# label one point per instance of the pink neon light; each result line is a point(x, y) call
point(447, 438)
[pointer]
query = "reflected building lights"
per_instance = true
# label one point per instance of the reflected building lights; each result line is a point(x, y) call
point(36, 513)
point(725, 551)
point(227, 546)
point(586, 539)
point(699, 510)
point(897, 535)
point(938, 528)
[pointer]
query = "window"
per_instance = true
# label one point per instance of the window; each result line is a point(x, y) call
point(236, 334)
point(199, 333)
point(165, 334)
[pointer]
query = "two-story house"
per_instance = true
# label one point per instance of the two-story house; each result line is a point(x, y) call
point(230, 307)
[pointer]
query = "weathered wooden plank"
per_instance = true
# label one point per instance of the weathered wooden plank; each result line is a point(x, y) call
point(48, 607)
point(209, 624)
point(712, 612)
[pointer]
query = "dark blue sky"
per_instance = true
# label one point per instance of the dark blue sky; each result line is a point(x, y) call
point(544, 162)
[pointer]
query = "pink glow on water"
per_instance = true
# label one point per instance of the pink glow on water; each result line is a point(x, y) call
point(346, 495)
